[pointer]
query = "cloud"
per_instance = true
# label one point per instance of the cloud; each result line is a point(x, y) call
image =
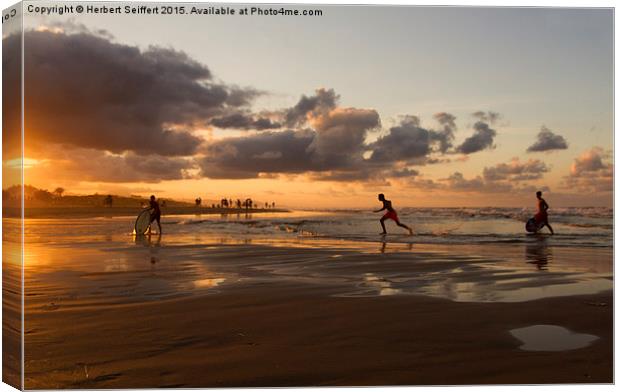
point(509, 177)
point(333, 148)
point(342, 131)
point(71, 26)
point(591, 172)
point(266, 152)
point(402, 173)
point(244, 121)
point(590, 162)
point(140, 110)
point(98, 166)
point(84, 90)
point(449, 128)
point(547, 141)
point(366, 172)
point(481, 139)
point(515, 170)
point(458, 183)
point(322, 101)
point(490, 117)
point(363, 174)
point(406, 141)
point(11, 98)
point(331, 145)
point(409, 142)
point(426, 184)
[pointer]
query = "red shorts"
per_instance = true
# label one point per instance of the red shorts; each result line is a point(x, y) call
point(541, 217)
point(391, 215)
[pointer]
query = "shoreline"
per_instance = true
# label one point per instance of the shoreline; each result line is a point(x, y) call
point(229, 311)
point(98, 212)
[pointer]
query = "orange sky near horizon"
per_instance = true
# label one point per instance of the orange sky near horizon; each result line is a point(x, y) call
point(300, 192)
point(113, 111)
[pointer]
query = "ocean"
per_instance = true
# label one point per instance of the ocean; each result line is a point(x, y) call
point(463, 254)
point(589, 227)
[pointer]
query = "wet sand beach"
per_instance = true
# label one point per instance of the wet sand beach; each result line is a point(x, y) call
point(197, 309)
point(280, 335)
point(162, 312)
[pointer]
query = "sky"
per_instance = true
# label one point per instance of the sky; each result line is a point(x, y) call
point(432, 106)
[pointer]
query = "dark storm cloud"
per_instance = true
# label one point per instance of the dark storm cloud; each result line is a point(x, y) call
point(239, 97)
point(322, 101)
point(267, 152)
point(158, 167)
point(84, 90)
point(404, 142)
point(341, 132)
point(547, 141)
point(481, 139)
point(335, 145)
point(245, 122)
point(410, 142)
point(446, 135)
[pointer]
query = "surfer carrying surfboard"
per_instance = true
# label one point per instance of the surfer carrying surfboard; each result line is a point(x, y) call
point(541, 216)
point(155, 213)
point(390, 214)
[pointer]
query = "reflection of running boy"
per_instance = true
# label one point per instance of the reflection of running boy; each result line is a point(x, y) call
point(390, 214)
point(156, 213)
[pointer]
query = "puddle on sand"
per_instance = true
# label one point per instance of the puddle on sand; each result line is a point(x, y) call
point(551, 338)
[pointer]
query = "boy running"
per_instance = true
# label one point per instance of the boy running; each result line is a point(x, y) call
point(390, 214)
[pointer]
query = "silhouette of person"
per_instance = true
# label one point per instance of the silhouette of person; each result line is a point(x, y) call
point(541, 215)
point(390, 214)
point(155, 213)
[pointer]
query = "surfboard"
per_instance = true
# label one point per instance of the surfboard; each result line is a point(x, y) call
point(143, 221)
point(532, 226)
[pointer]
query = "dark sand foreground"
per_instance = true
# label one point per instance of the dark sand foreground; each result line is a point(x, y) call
point(281, 336)
point(266, 320)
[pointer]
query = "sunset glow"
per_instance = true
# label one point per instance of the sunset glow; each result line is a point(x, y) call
point(340, 129)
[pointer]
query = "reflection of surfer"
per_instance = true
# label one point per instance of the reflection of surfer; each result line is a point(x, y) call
point(541, 216)
point(155, 213)
point(538, 253)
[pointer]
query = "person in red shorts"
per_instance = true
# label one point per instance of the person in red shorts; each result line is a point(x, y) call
point(542, 216)
point(390, 214)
